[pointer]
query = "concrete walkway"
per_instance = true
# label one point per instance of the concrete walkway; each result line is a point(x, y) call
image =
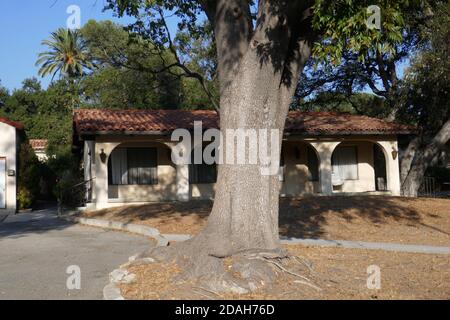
point(37, 248)
point(412, 248)
point(398, 247)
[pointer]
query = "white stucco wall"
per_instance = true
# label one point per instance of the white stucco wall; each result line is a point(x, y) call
point(8, 150)
point(366, 172)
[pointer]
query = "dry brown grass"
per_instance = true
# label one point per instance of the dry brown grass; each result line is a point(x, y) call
point(363, 218)
point(340, 273)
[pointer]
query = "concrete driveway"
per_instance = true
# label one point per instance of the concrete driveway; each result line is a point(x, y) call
point(37, 248)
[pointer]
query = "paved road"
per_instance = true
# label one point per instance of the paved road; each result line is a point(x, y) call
point(37, 248)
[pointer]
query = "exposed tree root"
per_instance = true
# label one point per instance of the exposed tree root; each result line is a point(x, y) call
point(242, 272)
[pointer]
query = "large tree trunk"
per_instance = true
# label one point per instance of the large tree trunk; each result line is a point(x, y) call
point(422, 160)
point(245, 210)
point(258, 73)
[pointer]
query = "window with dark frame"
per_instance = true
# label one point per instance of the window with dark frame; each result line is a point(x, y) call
point(133, 166)
point(202, 173)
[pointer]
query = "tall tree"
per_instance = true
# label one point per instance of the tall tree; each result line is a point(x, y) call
point(67, 56)
point(261, 49)
point(424, 100)
point(131, 75)
point(4, 95)
point(121, 79)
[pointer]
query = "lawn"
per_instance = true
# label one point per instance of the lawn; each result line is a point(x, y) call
point(338, 273)
point(363, 218)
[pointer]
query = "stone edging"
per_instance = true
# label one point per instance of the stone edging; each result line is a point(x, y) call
point(112, 291)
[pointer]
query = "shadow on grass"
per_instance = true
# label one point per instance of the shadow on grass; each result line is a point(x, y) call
point(170, 212)
point(299, 217)
point(307, 217)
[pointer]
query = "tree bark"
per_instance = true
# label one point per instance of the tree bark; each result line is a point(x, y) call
point(408, 157)
point(422, 160)
point(258, 72)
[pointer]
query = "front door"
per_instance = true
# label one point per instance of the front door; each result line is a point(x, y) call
point(2, 183)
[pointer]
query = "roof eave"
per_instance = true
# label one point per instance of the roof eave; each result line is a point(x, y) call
point(288, 133)
point(126, 133)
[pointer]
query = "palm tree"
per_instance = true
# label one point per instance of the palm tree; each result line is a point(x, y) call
point(68, 55)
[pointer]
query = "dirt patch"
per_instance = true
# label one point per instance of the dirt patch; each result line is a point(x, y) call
point(152, 281)
point(340, 274)
point(359, 218)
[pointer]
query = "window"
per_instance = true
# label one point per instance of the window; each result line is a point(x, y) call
point(133, 166)
point(345, 163)
point(313, 164)
point(202, 173)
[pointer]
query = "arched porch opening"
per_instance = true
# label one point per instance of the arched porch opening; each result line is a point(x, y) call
point(359, 166)
point(300, 172)
point(140, 172)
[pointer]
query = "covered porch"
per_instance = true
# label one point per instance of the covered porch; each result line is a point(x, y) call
point(138, 169)
point(340, 165)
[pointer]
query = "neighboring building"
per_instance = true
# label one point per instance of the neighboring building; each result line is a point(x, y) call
point(127, 155)
point(40, 146)
point(9, 146)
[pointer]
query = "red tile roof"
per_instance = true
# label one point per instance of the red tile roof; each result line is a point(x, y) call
point(151, 121)
point(101, 121)
point(15, 124)
point(38, 144)
point(341, 123)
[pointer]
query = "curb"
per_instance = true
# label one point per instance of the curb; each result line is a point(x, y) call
point(115, 225)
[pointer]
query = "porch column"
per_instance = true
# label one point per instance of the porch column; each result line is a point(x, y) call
point(89, 162)
point(182, 175)
point(183, 182)
point(102, 152)
point(325, 151)
point(390, 149)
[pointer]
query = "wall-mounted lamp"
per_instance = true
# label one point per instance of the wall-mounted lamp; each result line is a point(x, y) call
point(394, 153)
point(103, 156)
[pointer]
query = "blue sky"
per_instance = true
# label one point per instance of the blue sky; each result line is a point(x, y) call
point(25, 23)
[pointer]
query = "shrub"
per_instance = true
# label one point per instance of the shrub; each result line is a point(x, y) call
point(66, 168)
point(28, 176)
point(25, 198)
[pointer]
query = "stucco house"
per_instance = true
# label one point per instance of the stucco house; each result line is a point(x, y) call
point(9, 146)
point(127, 155)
